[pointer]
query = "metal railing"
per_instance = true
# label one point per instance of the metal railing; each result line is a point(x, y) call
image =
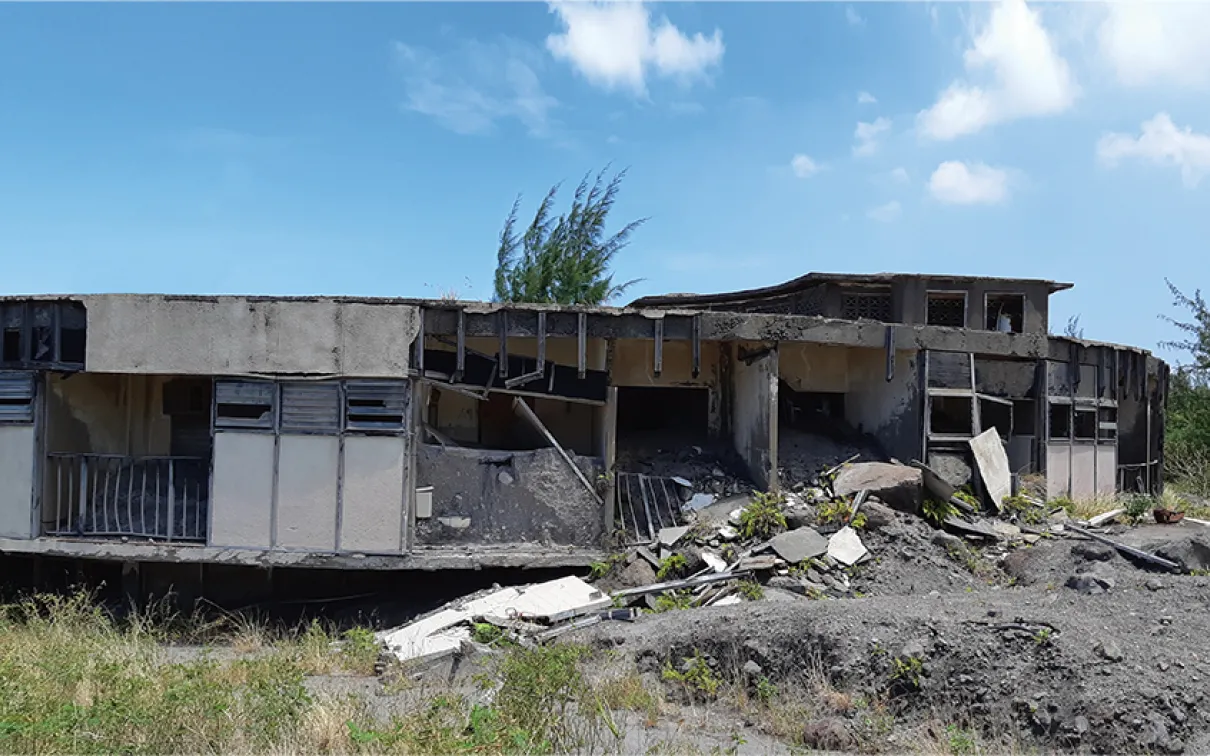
point(114, 495)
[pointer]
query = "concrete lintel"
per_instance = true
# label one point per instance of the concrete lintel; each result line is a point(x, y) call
point(460, 558)
point(566, 324)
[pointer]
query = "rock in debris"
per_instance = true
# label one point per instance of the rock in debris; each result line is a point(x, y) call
point(845, 546)
point(1190, 550)
point(877, 514)
point(796, 545)
point(752, 669)
point(1090, 583)
point(1109, 650)
point(899, 486)
point(947, 541)
point(1093, 551)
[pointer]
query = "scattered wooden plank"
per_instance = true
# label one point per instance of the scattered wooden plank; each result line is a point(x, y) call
point(676, 585)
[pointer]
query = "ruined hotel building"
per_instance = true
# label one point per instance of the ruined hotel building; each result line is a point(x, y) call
point(385, 434)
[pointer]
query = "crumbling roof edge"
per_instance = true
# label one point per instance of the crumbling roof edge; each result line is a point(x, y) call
point(793, 284)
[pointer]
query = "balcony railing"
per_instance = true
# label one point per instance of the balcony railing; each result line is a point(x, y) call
point(116, 496)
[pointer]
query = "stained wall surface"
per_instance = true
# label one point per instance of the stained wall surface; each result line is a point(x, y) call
point(372, 502)
point(16, 481)
point(238, 336)
point(242, 501)
point(308, 469)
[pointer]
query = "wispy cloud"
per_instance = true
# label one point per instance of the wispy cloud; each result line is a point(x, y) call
point(958, 183)
point(1161, 142)
point(853, 17)
point(900, 175)
point(865, 98)
point(803, 166)
point(885, 213)
point(1029, 77)
point(616, 45)
point(867, 135)
point(475, 85)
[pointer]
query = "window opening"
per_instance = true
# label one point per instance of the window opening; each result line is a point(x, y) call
point(947, 309)
point(1005, 312)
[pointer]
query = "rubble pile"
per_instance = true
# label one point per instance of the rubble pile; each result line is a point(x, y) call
point(705, 469)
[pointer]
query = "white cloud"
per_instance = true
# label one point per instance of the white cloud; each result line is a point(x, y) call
point(900, 175)
point(853, 17)
point(867, 136)
point(1157, 43)
point(865, 98)
point(803, 166)
point(615, 45)
point(956, 183)
point(1161, 142)
point(1029, 77)
point(469, 89)
point(885, 213)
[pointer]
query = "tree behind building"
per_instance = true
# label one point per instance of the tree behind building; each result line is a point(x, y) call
point(564, 260)
point(1187, 427)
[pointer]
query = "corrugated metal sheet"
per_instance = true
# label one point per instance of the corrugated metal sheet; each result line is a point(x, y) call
point(16, 398)
point(245, 404)
point(377, 405)
point(310, 408)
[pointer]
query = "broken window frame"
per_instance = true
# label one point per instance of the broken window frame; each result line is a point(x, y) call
point(946, 296)
point(1107, 425)
point(1084, 424)
point(26, 324)
point(237, 393)
point(376, 406)
point(1059, 431)
point(18, 390)
point(991, 321)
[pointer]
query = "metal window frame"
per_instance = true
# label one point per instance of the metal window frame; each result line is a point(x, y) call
point(21, 387)
point(248, 393)
point(947, 294)
point(395, 397)
point(311, 408)
point(987, 295)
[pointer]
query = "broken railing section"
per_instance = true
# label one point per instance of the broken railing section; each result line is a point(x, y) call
point(140, 497)
point(649, 503)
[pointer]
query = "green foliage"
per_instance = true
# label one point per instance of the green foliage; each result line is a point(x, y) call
point(1187, 421)
point(907, 671)
point(834, 512)
point(965, 495)
point(937, 510)
point(671, 566)
point(1043, 636)
point(486, 633)
point(537, 687)
point(750, 589)
point(1138, 507)
point(674, 600)
point(766, 691)
point(564, 260)
point(762, 518)
point(360, 649)
point(696, 676)
point(1025, 511)
point(961, 741)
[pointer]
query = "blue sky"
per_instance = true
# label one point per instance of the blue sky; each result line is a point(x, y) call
point(375, 149)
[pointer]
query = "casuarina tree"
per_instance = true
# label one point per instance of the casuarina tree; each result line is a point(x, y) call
point(564, 259)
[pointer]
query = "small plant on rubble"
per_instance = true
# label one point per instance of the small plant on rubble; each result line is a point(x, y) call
point(1137, 507)
point(938, 510)
point(750, 589)
point(907, 671)
point(1024, 510)
point(965, 495)
point(671, 566)
point(762, 518)
point(674, 600)
point(834, 511)
point(695, 675)
point(1043, 636)
point(599, 570)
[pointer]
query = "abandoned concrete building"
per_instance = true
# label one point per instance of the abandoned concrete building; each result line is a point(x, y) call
point(392, 434)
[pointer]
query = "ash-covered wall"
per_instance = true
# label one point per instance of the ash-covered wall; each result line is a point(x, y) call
point(485, 497)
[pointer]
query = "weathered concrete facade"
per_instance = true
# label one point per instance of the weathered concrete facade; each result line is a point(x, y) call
point(398, 434)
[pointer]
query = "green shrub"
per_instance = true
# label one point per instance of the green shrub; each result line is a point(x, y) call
point(938, 510)
point(672, 566)
point(698, 679)
point(762, 518)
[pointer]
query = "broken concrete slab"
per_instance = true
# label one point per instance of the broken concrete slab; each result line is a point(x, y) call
point(728, 533)
point(698, 502)
point(992, 461)
point(796, 545)
point(731, 600)
point(714, 561)
point(669, 536)
point(1006, 529)
point(757, 563)
point(977, 528)
point(845, 546)
point(898, 486)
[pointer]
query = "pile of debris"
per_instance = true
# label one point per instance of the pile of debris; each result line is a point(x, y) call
point(857, 526)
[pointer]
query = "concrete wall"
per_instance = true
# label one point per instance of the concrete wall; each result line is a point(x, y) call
point(890, 411)
point(16, 481)
point(814, 367)
point(242, 500)
point(308, 469)
point(495, 497)
point(107, 414)
point(911, 301)
point(1092, 467)
point(373, 502)
point(237, 336)
point(754, 414)
point(633, 365)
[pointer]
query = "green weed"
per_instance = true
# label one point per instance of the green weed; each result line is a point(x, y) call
point(762, 518)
